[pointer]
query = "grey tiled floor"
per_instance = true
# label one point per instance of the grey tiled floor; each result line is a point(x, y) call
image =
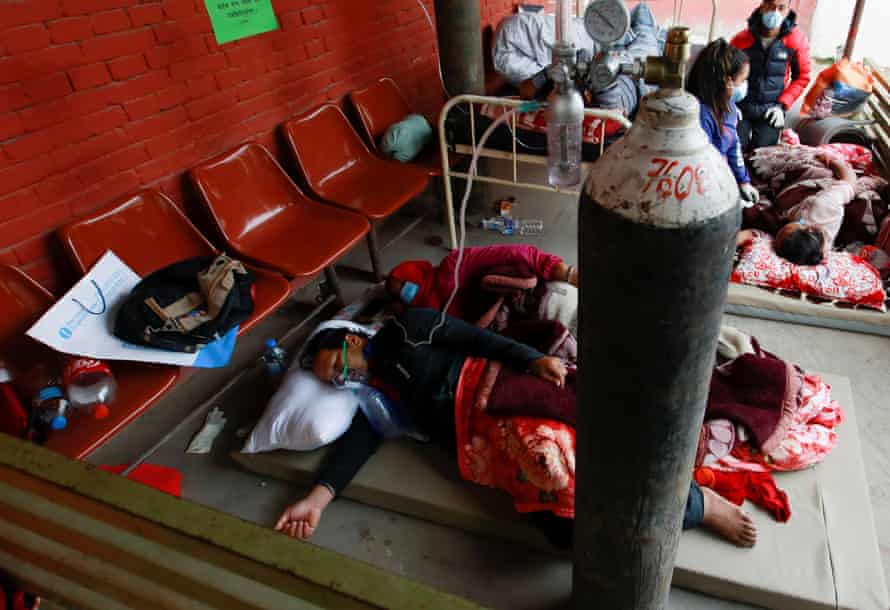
point(494, 573)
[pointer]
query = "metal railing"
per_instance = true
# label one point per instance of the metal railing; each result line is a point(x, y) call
point(879, 109)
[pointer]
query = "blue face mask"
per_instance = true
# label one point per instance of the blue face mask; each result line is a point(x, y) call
point(408, 292)
point(739, 93)
point(772, 20)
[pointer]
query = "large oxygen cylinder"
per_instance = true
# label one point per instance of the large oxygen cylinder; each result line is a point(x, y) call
point(658, 223)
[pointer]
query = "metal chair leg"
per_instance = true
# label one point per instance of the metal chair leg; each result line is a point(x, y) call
point(333, 282)
point(374, 249)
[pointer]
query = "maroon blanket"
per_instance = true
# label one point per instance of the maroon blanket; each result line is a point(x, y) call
point(758, 391)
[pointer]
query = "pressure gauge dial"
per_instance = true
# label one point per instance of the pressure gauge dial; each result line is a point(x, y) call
point(607, 21)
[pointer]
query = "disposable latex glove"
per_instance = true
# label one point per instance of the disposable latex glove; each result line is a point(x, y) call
point(750, 195)
point(775, 116)
point(213, 425)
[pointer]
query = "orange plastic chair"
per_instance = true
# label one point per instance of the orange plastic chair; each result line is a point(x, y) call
point(147, 231)
point(380, 105)
point(265, 218)
point(22, 302)
point(340, 169)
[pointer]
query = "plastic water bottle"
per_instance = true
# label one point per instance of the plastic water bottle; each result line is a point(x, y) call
point(495, 223)
point(49, 407)
point(90, 386)
point(275, 359)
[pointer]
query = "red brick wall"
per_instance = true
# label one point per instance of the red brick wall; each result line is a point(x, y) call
point(101, 97)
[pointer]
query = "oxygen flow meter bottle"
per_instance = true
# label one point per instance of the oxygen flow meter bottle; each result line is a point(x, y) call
point(565, 116)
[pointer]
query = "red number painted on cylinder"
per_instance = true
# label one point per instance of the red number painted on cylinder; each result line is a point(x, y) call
point(701, 180)
point(655, 173)
point(681, 193)
point(680, 187)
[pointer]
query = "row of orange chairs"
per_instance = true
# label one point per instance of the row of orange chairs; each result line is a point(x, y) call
point(261, 216)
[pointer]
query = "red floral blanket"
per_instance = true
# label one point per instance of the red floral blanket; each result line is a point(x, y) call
point(530, 458)
point(533, 459)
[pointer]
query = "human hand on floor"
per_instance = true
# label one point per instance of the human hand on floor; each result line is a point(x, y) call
point(775, 116)
point(301, 519)
point(552, 369)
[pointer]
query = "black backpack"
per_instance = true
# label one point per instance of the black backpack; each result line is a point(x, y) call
point(187, 305)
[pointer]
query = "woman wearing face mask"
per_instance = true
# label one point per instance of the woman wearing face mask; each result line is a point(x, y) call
point(781, 70)
point(719, 79)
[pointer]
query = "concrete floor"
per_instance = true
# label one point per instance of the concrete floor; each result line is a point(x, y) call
point(494, 573)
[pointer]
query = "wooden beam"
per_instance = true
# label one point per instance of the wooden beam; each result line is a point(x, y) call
point(130, 546)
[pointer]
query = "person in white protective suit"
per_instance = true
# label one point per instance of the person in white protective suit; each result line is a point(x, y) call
point(523, 53)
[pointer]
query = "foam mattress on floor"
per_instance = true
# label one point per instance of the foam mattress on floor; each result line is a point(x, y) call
point(756, 302)
point(825, 557)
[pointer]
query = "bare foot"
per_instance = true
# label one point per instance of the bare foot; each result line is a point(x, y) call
point(728, 520)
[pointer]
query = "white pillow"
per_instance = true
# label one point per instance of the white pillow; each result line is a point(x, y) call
point(304, 414)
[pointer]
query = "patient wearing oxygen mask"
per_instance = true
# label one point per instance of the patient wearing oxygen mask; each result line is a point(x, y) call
point(418, 359)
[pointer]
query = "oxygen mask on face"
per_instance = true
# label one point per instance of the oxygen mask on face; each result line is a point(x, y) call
point(349, 376)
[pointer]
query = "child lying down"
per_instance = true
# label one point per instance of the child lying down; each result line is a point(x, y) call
point(424, 377)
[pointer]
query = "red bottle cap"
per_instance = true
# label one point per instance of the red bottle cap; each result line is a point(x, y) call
point(100, 411)
point(81, 366)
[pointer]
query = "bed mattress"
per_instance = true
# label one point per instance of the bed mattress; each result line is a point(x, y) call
point(755, 302)
point(825, 557)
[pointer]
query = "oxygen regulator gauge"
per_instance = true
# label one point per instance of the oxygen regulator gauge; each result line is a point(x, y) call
point(607, 21)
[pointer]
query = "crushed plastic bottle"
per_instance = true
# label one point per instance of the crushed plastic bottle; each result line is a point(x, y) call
point(90, 386)
point(275, 359)
point(504, 225)
point(531, 227)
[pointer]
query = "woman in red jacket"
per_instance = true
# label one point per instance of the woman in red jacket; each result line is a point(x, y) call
point(781, 69)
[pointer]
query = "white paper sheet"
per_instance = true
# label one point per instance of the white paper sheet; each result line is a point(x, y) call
point(82, 321)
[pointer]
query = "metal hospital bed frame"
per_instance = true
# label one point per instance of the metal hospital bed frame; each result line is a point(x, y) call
point(514, 156)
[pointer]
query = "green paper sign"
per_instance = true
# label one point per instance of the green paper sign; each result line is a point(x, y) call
point(236, 19)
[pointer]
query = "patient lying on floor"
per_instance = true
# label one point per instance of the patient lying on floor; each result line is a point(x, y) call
point(418, 359)
point(497, 286)
point(813, 201)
